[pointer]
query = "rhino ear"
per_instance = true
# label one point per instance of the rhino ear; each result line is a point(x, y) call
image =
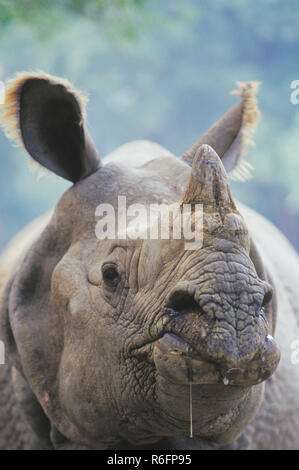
point(46, 114)
point(231, 135)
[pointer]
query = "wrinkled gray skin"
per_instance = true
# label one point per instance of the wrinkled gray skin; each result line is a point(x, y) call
point(105, 363)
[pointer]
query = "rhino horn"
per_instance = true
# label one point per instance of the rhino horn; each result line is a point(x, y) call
point(208, 183)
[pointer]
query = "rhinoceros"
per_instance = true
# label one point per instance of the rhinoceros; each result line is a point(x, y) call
point(140, 343)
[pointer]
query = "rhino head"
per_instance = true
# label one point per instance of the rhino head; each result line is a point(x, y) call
point(110, 334)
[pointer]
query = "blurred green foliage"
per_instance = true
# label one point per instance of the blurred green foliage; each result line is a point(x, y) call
point(49, 17)
point(160, 70)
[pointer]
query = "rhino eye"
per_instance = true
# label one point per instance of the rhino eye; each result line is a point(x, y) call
point(110, 275)
point(267, 298)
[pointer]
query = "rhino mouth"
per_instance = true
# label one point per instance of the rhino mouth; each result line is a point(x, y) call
point(177, 361)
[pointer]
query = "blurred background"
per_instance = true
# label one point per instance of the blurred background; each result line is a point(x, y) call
point(159, 70)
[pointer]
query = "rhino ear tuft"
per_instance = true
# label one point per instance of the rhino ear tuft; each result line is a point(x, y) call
point(47, 116)
point(241, 169)
point(233, 133)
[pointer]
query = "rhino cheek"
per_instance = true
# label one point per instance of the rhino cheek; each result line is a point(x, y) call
point(83, 393)
point(86, 384)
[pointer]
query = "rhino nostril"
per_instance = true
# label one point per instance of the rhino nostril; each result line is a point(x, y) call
point(182, 302)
